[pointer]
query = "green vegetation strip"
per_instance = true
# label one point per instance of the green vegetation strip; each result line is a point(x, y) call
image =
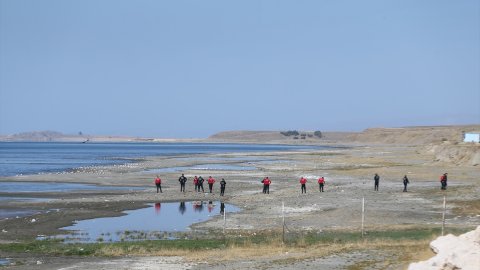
point(57, 247)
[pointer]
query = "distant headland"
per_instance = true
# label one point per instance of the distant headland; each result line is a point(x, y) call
point(400, 135)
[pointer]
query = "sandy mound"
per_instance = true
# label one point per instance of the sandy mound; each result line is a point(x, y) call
point(459, 154)
point(462, 252)
point(443, 143)
point(414, 135)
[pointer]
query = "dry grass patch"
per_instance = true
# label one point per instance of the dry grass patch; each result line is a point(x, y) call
point(116, 251)
point(467, 207)
point(278, 253)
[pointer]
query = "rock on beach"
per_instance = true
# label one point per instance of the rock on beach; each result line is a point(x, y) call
point(453, 252)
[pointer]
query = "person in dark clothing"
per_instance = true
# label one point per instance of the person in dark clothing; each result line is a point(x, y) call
point(200, 184)
point(405, 183)
point(377, 181)
point(443, 181)
point(182, 181)
point(223, 183)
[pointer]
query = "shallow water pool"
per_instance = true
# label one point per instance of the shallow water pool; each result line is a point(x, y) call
point(203, 167)
point(17, 213)
point(4, 262)
point(158, 221)
point(223, 167)
point(16, 187)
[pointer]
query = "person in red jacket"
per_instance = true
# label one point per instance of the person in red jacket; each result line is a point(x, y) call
point(195, 182)
point(443, 181)
point(321, 182)
point(211, 181)
point(303, 181)
point(158, 183)
point(266, 185)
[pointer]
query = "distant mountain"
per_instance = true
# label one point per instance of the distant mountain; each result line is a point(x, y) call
point(54, 136)
point(42, 136)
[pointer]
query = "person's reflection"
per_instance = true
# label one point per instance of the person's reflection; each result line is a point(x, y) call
point(198, 206)
point(182, 208)
point(222, 208)
point(157, 208)
point(210, 206)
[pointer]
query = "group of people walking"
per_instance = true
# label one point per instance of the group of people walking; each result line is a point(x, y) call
point(198, 182)
point(376, 179)
point(303, 184)
point(443, 182)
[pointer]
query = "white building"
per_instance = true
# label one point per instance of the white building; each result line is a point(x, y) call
point(472, 137)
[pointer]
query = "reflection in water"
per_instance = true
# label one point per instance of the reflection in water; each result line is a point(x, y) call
point(182, 208)
point(198, 206)
point(222, 208)
point(157, 208)
point(132, 226)
point(210, 206)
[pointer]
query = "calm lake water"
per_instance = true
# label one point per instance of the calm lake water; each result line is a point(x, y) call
point(18, 158)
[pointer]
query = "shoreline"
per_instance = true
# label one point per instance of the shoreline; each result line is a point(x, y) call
point(348, 173)
point(129, 160)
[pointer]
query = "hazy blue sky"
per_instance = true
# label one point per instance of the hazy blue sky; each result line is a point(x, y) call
point(194, 68)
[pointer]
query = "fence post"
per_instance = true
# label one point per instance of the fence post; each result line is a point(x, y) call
point(283, 222)
point(363, 216)
point(443, 214)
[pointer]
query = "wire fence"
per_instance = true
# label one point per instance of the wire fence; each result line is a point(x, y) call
point(290, 232)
